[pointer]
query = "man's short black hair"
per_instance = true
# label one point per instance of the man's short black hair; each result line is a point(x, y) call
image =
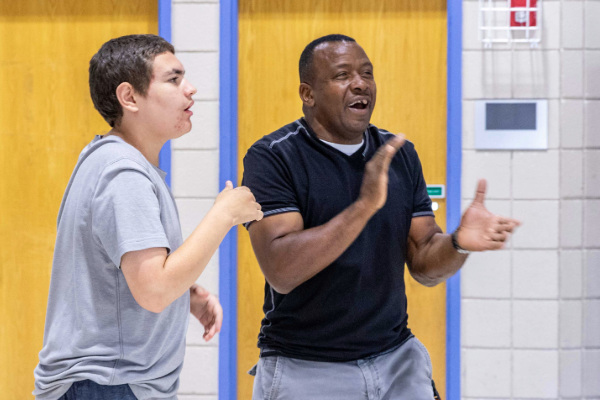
point(124, 59)
point(306, 58)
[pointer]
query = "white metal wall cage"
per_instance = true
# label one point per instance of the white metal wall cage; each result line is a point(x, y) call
point(510, 21)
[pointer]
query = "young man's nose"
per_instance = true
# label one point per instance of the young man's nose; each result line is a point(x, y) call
point(190, 89)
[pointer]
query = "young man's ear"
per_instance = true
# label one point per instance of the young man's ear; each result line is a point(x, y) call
point(306, 95)
point(127, 97)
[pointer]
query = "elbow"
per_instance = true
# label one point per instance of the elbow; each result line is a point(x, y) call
point(281, 286)
point(280, 282)
point(428, 280)
point(154, 303)
point(425, 280)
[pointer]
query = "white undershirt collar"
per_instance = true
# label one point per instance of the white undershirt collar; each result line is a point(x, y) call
point(347, 149)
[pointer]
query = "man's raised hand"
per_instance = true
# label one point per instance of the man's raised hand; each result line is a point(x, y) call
point(374, 189)
point(481, 230)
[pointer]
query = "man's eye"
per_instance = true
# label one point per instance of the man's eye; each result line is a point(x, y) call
point(174, 80)
point(342, 75)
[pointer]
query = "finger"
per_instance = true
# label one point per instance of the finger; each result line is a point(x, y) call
point(498, 236)
point(390, 148)
point(258, 206)
point(228, 185)
point(259, 215)
point(495, 245)
point(480, 193)
point(218, 316)
point(245, 188)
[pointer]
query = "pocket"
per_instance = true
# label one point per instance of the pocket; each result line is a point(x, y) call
point(425, 353)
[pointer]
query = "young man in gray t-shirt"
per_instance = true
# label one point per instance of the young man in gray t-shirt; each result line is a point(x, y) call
point(122, 277)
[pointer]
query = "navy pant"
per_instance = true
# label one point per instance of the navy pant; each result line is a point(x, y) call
point(88, 390)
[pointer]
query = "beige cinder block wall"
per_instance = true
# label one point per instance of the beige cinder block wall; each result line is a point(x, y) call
point(531, 314)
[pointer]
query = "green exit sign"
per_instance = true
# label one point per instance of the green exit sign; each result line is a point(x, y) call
point(436, 191)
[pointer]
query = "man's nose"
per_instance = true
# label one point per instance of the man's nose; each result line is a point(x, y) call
point(358, 83)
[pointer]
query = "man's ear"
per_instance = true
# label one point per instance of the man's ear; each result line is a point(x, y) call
point(306, 95)
point(127, 97)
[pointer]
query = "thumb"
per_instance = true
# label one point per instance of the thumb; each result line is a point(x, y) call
point(480, 194)
point(228, 185)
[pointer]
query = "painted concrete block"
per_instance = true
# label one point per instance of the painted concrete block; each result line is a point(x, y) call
point(572, 73)
point(571, 223)
point(572, 25)
point(591, 372)
point(485, 323)
point(571, 124)
point(571, 274)
point(592, 123)
point(571, 173)
point(200, 371)
point(535, 274)
point(553, 124)
point(535, 175)
point(592, 27)
point(570, 373)
point(468, 125)
point(191, 213)
point(591, 223)
point(592, 275)
point(591, 324)
point(535, 374)
point(492, 166)
point(202, 71)
point(195, 173)
point(487, 275)
point(539, 228)
point(592, 74)
point(487, 74)
point(535, 324)
point(592, 173)
point(195, 26)
point(536, 74)
point(487, 373)
point(205, 128)
point(571, 314)
point(209, 279)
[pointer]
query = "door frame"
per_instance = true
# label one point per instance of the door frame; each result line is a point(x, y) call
point(228, 167)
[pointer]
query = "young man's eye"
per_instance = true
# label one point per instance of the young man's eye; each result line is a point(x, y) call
point(174, 80)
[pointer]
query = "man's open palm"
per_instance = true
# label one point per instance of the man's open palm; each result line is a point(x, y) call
point(481, 230)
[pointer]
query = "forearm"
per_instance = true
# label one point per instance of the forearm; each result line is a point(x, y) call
point(172, 276)
point(436, 261)
point(298, 256)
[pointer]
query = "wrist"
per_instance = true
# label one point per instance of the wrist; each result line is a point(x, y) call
point(221, 216)
point(456, 243)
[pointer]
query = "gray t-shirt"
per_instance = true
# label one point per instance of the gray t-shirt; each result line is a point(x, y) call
point(115, 202)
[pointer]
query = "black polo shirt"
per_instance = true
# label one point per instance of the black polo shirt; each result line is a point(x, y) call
point(356, 307)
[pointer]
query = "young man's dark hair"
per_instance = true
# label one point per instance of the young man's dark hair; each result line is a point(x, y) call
point(124, 59)
point(305, 64)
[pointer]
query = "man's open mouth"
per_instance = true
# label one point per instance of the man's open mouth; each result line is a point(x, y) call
point(359, 104)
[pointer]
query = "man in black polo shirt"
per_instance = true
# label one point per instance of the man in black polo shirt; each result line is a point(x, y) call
point(345, 206)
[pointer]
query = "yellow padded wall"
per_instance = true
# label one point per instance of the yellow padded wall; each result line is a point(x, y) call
point(46, 118)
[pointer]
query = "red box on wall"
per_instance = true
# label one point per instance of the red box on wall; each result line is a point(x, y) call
point(519, 18)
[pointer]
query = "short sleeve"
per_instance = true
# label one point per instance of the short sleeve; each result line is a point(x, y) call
point(126, 211)
point(269, 179)
point(421, 199)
